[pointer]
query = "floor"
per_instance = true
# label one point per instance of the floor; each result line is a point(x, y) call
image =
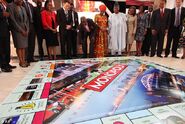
point(9, 81)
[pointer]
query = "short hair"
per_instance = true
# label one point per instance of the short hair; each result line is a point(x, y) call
point(46, 3)
point(134, 8)
point(83, 18)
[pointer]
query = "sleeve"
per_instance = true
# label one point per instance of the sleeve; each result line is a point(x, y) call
point(135, 25)
point(153, 20)
point(109, 24)
point(55, 16)
point(27, 20)
point(146, 21)
point(125, 22)
point(44, 21)
point(1, 12)
point(13, 21)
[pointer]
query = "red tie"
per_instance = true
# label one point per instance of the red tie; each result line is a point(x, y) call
point(162, 13)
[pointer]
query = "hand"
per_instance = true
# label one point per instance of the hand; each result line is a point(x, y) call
point(54, 30)
point(154, 32)
point(68, 27)
point(24, 33)
point(6, 14)
point(166, 31)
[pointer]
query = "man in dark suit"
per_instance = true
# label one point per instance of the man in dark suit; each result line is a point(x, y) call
point(64, 19)
point(31, 35)
point(4, 39)
point(87, 28)
point(75, 24)
point(148, 37)
point(177, 16)
point(159, 24)
point(38, 27)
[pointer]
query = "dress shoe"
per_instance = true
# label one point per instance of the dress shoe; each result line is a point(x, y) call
point(175, 57)
point(12, 67)
point(33, 60)
point(160, 56)
point(166, 56)
point(183, 57)
point(152, 55)
point(6, 69)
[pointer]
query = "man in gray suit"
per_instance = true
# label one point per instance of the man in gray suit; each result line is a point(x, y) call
point(159, 24)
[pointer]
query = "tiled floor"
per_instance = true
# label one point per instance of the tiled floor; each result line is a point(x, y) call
point(9, 81)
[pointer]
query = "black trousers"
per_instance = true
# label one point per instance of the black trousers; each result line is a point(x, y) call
point(40, 42)
point(173, 35)
point(74, 42)
point(5, 51)
point(157, 42)
point(31, 43)
point(147, 42)
point(66, 43)
point(84, 45)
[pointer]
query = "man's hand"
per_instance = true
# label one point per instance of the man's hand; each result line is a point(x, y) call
point(68, 27)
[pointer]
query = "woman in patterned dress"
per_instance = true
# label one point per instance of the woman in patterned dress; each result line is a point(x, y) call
point(101, 47)
point(141, 29)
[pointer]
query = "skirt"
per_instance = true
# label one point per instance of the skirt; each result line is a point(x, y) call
point(51, 38)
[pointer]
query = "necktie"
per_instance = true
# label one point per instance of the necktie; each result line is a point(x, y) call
point(149, 18)
point(177, 18)
point(73, 18)
point(66, 12)
point(162, 13)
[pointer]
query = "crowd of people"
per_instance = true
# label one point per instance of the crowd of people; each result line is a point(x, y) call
point(113, 34)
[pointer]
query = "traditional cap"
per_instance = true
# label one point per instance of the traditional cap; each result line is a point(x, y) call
point(102, 7)
point(116, 4)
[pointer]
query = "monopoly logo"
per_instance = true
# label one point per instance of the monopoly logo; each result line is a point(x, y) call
point(105, 78)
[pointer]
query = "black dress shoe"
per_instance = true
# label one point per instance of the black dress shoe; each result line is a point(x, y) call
point(12, 67)
point(175, 57)
point(182, 57)
point(160, 56)
point(166, 56)
point(152, 55)
point(33, 60)
point(6, 69)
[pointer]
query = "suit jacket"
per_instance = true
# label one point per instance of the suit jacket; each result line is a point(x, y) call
point(27, 11)
point(158, 23)
point(92, 26)
point(173, 17)
point(62, 20)
point(76, 22)
point(4, 28)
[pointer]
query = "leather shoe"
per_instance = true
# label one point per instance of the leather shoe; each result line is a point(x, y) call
point(166, 56)
point(6, 70)
point(160, 56)
point(12, 67)
point(152, 55)
point(33, 60)
point(182, 57)
point(175, 57)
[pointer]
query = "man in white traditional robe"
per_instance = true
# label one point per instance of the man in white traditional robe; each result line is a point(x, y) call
point(117, 31)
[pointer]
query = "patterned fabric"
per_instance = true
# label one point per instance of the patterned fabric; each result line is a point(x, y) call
point(141, 26)
point(182, 39)
point(101, 47)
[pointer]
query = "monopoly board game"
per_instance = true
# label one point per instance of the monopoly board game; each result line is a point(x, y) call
point(117, 90)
